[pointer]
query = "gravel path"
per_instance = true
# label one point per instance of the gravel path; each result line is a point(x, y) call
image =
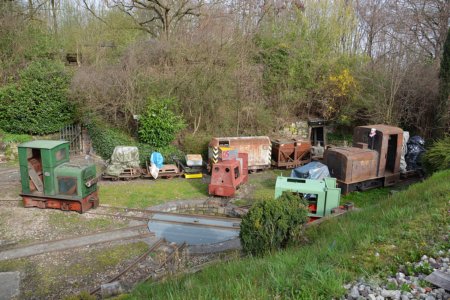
point(403, 286)
point(58, 245)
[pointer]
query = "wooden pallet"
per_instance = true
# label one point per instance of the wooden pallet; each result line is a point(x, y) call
point(166, 172)
point(127, 174)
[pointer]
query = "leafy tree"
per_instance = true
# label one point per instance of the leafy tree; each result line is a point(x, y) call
point(159, 125)
point(444, 89)
point(37, 103)
point(270, 224)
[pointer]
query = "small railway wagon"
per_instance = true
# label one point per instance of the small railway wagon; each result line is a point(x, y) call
point(258, 148)
point(49, 180)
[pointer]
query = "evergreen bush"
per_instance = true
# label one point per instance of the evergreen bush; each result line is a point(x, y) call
point(437, 157)
point(159, 125)
point(270, 224)
point(37, 103)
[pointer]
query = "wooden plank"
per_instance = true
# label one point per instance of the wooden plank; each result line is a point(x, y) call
point(36, 179)
point(439, 279)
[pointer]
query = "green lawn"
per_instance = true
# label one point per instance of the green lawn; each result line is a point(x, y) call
point(145, 193)
point(373, 241)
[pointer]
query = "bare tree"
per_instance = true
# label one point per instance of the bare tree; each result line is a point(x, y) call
point(426, 22)
point(158, 16)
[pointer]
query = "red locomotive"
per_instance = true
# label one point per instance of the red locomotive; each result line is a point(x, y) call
point(228, 175)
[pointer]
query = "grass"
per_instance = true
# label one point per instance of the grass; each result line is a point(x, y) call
point(145, 193)
point(388, 231)
point(263, 183)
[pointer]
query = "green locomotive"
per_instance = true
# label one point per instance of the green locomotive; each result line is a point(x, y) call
point(49, 180)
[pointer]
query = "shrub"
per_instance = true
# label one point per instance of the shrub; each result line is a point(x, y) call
point(271, 224)
point(105, 139)
point(437, 157)
point(168, 152)
point(159, 125)
point(37, 103)
point(196, 144)
point(8, 138)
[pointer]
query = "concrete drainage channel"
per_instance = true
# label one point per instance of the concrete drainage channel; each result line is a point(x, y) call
point(206, 226)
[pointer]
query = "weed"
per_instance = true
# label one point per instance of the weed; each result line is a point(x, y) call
point(405, 287)
point(423, 283)
point(391, 286)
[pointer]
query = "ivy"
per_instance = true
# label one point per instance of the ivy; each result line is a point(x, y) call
point(105, 139)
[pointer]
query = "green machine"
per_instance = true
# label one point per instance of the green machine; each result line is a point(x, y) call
point(49, 180)
point(322, 195)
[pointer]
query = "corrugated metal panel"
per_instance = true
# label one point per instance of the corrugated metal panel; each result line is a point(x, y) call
point(258, 148)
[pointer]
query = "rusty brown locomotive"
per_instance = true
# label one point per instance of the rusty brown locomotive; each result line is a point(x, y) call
point(373, 161)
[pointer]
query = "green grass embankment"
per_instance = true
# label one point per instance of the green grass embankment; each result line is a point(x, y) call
point(387, 231)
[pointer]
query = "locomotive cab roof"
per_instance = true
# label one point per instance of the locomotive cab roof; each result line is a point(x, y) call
point(42, 144)
point(385, 129)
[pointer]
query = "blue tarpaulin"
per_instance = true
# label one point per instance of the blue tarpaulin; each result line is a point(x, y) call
point(313, 170)
point(157, 159)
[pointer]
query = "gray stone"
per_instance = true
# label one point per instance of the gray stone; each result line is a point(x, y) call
point(399, 275)
point(429, 297)
point(446, 260)
point(432, 260)
point(9, 285)
point(371, 297)
point(347, 286)
point(394, 294)
point(379, 297)
point(354, 292)
point(404, 297)
point(111, 289)
point(424, 258)
point(365, 293)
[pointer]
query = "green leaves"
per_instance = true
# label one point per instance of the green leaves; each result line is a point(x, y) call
point(438, 156)
point(37, 103)
point(159, 125)
point(270, 224)
point(105, 139)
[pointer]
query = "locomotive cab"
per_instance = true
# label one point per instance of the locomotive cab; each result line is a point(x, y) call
point(373, 161)
point(49, 181)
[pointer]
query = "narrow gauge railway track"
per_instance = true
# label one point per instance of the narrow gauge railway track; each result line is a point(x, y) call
point(136, 263)
point(152, 212)
point(149, 216)
point(6, 171)
point(10, 200)
point(71, 242)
